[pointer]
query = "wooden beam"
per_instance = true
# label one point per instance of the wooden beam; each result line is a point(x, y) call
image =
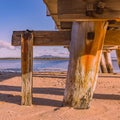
point(62, 38)
point(44, 38)
point(85, 54)
point(81, 17)
point(79, 6)
point(52, 8)
point(112, 25)
point(112, 37)
point(110, 48)
point(73, 6)
point(75, 10)
point(51, 5)
point(27, 65)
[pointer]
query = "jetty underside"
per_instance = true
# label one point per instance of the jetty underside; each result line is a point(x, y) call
point(85, 26)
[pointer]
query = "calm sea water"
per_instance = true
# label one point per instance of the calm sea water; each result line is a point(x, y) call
point(14, 65)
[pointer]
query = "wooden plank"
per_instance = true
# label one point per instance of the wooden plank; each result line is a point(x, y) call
point(52, 7)
point(27, 65)
point(112, 37)
point(44, 38)
point(62, 38)
point(112, 25)
point(82, 17)
point(110, 48)
point(75, 10)
point(79, 6)
point(84, 63)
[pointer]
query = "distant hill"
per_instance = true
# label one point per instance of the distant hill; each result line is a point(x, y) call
point(49, 57)
point(39, 57)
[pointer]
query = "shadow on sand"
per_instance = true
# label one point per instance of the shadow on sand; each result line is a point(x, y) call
point(8, 75)
point(16, 99)
point(7, 96)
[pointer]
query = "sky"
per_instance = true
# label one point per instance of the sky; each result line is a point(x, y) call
point(16, 15)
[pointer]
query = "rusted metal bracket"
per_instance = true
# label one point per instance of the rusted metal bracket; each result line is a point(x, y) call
point(93, 8)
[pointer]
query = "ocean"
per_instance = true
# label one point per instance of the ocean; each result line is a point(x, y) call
point(14, 65)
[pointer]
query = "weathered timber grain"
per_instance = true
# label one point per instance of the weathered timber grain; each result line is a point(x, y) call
point(84, 63)
point(75, 10)
point(79, 6)
point(27, 66)
point(108, 62)
point(118, 56)
point(44, 38)
point(112, 37)
point(52, 7)
point(110, 48)
point(62, 38)
point(103, 64)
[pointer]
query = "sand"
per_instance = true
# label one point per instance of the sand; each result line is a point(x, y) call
point(48, 95)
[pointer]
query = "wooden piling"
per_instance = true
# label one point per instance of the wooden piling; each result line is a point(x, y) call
point(103, 64)
point(108, 62)
point(87, 40)
point(27, 65)
point(118, 56)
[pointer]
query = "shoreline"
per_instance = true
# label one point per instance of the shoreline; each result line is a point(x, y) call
point(56, 58)
point(55, 73)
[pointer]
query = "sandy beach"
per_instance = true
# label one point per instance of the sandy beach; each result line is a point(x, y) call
point(48, 90)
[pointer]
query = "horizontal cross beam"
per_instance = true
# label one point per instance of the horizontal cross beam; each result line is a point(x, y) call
point(79, 10)
point(61, 38)
point(44, 38)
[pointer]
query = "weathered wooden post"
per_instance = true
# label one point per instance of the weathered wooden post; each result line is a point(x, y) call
point(103, 64)
point(108, 62)
point(85, 52)
point(118, 56)
point(27, 64)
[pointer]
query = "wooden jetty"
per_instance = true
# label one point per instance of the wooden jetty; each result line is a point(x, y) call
point(83, 25)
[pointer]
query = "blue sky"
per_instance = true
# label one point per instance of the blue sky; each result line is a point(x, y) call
point(22, 15)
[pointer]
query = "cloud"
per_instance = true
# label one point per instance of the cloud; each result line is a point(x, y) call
point(7, 45)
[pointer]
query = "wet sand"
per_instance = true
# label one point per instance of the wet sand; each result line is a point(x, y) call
point(48, 93)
